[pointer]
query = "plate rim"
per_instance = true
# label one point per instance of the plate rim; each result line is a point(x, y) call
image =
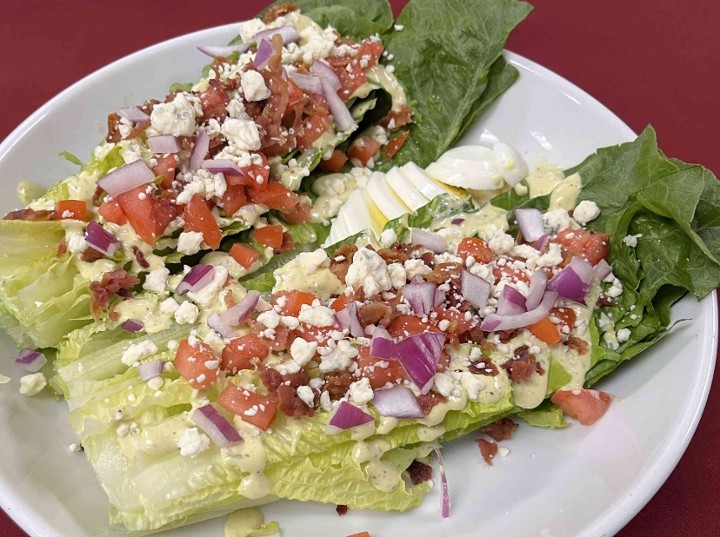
point(607, 522)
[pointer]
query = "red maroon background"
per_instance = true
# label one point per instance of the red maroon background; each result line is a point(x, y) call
point(649, 62)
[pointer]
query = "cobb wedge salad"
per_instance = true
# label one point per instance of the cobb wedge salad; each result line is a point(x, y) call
point(278, 283)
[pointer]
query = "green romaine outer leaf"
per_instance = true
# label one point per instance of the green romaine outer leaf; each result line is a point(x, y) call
point(547, 416)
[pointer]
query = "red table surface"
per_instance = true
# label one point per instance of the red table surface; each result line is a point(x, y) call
point(649, 62)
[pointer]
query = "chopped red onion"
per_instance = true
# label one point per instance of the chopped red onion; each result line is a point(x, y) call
point(134, 114)
point(601, 270)
point(198, 277)
point(531, 224)
point(348, 416)
point(199, 150)
point(443, 484)
point(440, 297)
point(150, 370)
point(224, 166)
point(382, 345)
point(349, 319)
point(223, 52)
point(508, 322)
point(132, 326)
point(420, 355)
point(30, 360)
point(163, 144)
point(307, 82)
point(288, 33)
point(511, 302)
point(343, 119)
point(216, 426)
point(431, 241)
point(573, 281)
point(457, 221)
point(100, 239)
point(538, 283)
point(420, 296)
point(325, 72)
point(397, 402)
point(224, 324)
point(126, 178)
point(541, 243)
point(262, 56)
point(474, 289)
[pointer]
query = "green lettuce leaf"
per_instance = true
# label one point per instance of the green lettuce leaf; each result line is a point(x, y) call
point(547, 416)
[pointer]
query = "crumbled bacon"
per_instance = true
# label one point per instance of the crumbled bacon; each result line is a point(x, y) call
point(117, 282)
point(30, 215)
point(273, 379)
point(61, 249)
point(338, 383)
point(446, 273)
point(522, 365)
point(290, 403)
point(392, 255)
point(140, 257)
point(98, 196)
point(487, 449)
point(214, 101)
point(90, 255)
point(484, 366)
point(500, 430)
point(113, 134)
point(275, 139)
point(578, 345)
point(376, 313)
point(137, 129)
point(506, 335)
point(419, 472)
point(341, 260)
point(605, 300)
point(428, 401)
point(341, 509)
point(397, 118)
point(279, 10)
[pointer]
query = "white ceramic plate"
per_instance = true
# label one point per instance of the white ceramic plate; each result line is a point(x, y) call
point(580, 481)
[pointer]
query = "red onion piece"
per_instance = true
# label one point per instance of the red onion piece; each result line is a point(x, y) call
point(216, 426)
point(262, 56)
point(601, 270)
point(531, 224)
point(420, 296)
point(474, 289)
point(508, 322)
point(324, 71)
point(343, 119)
point(573, 281)
point(457, 221)
point(443, 484)
point(397, 402)
point(431, 241)
point(541, 243)
point(225, 323)
point(126, 178)
point(132, 326)
point(134, 114)
point(349, 319)
point(440, 297)
point(348, 416)
point(224, 166)
point(150, 370)
point(420, 355)
point(511, 302)
point(538, 283)
point(163, 144)
point(30, 360)
point(223, 52)
point(100, 239)
point(307, 82)
point(288, 33)
point(199, 150)
point(198, 277)
point(382, 345)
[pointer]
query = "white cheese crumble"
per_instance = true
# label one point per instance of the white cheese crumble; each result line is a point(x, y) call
point(631, 240)
point(556, 220)
point(253, 86)
point(472, 385)
point(398, 276)
point(302, 351)
point(269, 318)
point(176, 117)
point(169, 305)
point(242, 134)
point(623, 335)
point(189, 242)
point(156, 280)
point(585, 212)
point(192, 442)
point(136, 351)
point(320, 316)
point(416, 267)
point(187, 313)
point(370, 271)
point(207, 294)
point(32, 384)
point(75, 242)
point(360, 391)
point(388, 238)
point(338, 357)
point(306, 394)
point(4, 379)
point(312, 261)
point(202, 182)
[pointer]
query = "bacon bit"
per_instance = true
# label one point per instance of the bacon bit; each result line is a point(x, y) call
point(487, 449)
point(98, 196)
point(429, 259)
point(345, 253)
point(291, 405)
point(229, 299)
point(376, 312)
point(273, 379)
point(522, 365)
point(605, 300)
point(280, 10)
point(341, 509)
point(419, 472)
point(140, 257)
point(214, 101)
point(395, 144)
point(429, 400)
point(30, 215)
point(445, 273)
point(90, 255)
point(484, 366)
point(275, 140)
point(392, 255)
point(117, 282)
point(113, 135)
point(338, 383)
point(500, 430)
point(137, 130)
point(114, 315)
point(61, 249)
point(401, 117)
point(578, 345)
point(506, 335)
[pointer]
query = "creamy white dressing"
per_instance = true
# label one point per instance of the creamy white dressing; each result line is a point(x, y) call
point(242, 523)
point(28, 191)
point(380, 75)
point(472, 224)
point(530, 393)
point(293, 276)
point(249, 458)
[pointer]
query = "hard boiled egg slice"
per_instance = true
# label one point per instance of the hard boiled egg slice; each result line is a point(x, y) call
point(471, 167)
point(512, 166)
point(382, 195)
point(422, 183)
point(404, 189)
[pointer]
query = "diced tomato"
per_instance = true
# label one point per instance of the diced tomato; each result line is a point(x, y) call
point(280, 341)
point(276, 196)
point(395, 144)
point(378, 371)
point(319, 334)
point(198, 218)
point(111, 212)
point(245, 255)
point(363, 149)
point(243, 352)
point(409, 325)
point(302, 212)
point(165, 169)
point(291, 302)
point(233, 199)
point(586, 406)
point(478, 249)
point(192, 363)
point(287, 244)
point(592, 245)
point(507, 272)
point(351, 78)
point(271, 236)
point(565, 316)
point(458, 323)
point(313, 127)
point(71, 210)
point(340, 302)
point(165, 212)
point(546, 331)
point(256, 175)
point(252, 407)
point(139, 208)
point(369, 53)
point(295, 94)
point(334, 163)
point(361, 534)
